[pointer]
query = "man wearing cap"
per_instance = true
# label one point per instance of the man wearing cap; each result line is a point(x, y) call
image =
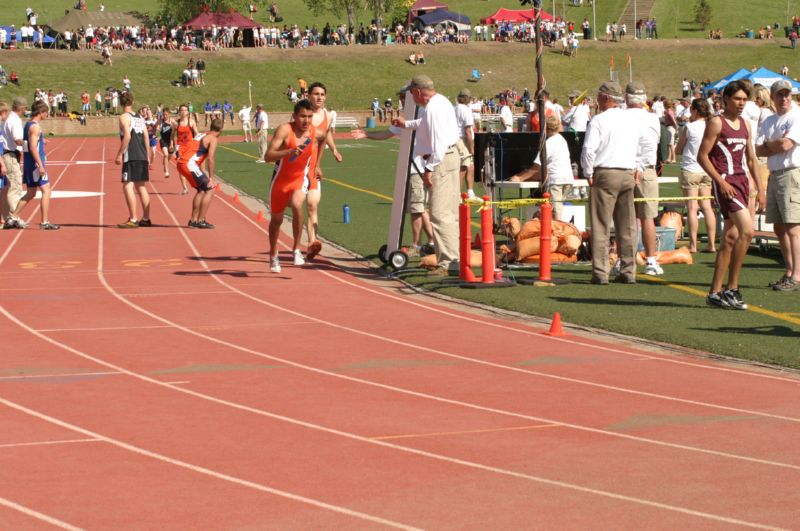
point(466, 142)
point(778, 139)
point(12, 153)
point(610, 165)
point(436, 142)
point(647, 186)
point(262, 132)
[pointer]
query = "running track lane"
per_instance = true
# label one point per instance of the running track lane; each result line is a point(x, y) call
point(450, 415)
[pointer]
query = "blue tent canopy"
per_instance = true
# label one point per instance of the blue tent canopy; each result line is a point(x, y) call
point(443, 15)
point(761, 76)
point(45, 40)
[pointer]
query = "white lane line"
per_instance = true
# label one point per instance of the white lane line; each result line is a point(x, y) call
point(489, 363)
point(45, 443)
point(38, 515)
point(533, 333)
point(202, 470)
point(60, 375)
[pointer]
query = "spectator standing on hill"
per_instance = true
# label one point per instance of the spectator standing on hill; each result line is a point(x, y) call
point(609, 160)
point(506, 118)
point(262, 132)
point(135, 159)
point(201, 72)
point(98, 103)
point(725, 148)
point(779, 138)
point(436, 142)
point(227, 111)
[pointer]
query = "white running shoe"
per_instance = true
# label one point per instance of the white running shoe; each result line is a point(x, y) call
point(653, 270)
point(616, 268)
point(274, 265)
point(298, 258)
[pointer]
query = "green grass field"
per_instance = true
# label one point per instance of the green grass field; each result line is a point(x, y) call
point(670, 311)
point(355, 75)
point(676, 17)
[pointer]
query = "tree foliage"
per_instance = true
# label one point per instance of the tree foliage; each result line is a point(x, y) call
point(179, 11)
point(338, 7)
point(702, 13)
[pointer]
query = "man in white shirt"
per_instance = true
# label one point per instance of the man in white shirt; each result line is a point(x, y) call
point(658, 107)
point(12, 154)
point(436, 142)
point(779, 140)
point(647, 185)
point(609, 164)
point(262, 132)
point(466, 145)
point(577, 117)
point(506, 118)
point(244, 118)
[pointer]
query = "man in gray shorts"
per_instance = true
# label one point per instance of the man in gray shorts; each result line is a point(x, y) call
point(647, 185)
point(778, 139)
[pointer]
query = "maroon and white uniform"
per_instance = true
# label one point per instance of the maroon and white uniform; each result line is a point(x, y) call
point(728, 156)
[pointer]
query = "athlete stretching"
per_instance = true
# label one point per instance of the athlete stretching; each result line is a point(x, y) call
point(294, 147)
point(199, 150)
point(321, 121)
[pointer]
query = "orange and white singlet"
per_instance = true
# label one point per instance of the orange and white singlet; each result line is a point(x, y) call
point(293, 172)
point(183, 135)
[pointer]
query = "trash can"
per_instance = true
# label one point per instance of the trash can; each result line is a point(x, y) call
point(370, 122)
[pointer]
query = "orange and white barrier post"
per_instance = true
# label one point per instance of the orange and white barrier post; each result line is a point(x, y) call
point(465, 234)
point(545, 237)
point(487, 243)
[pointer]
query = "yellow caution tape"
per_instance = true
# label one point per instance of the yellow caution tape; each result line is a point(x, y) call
point(516, 203)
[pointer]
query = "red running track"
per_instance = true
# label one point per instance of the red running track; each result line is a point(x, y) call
point(163, 377)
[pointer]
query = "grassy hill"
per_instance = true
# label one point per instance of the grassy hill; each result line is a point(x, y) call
point(676, 17)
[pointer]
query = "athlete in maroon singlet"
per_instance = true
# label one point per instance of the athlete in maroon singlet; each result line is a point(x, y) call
point(725, 144)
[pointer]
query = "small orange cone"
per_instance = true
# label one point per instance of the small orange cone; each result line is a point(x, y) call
point(476, 243)
point(260, 216)
point(555, 326)
point(218, 188)
point(236, 197)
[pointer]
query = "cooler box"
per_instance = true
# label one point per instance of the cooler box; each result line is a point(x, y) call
point(665, 239)
point(370, 122)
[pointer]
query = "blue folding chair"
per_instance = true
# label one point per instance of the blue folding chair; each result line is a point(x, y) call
point(476, 75)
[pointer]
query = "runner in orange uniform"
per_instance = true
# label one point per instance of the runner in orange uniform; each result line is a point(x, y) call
point(201, 149)
point(322, 121)
point(294, 147)
point(184, 131)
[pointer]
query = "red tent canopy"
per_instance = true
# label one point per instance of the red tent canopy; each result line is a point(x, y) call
point(515, 15)
point(232, 19)
point(425, 6)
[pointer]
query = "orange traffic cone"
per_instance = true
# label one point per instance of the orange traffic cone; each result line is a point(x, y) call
point(555, 326)
point(260, 216)
point(476, 243)
point(218, 188)
point(236, 197)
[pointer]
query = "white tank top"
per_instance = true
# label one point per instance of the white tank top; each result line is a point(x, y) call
point(694, 136)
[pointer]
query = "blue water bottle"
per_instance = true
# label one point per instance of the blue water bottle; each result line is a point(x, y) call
point(346, 214)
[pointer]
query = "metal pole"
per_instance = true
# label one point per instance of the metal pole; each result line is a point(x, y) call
point(539, 88)
point(635, 19)
point(594, 19)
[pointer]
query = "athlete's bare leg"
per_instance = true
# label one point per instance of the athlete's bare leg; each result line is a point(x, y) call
point(298, 197)
point(200, 204)
point(130, 199)
point(312, 203)
point(737, 233)
point(165, 160)
point(275, 222)
point(144, 197)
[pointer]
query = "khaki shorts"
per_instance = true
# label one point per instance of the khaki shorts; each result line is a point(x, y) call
point(464, 154)
point(648, 187)
point(559, 193)
point(694, 180)
point(417, 194)
point(245, 126)
point(783, 197)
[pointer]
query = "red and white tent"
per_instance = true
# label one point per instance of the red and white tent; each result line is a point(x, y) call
point(515, 15)
point(232, 19)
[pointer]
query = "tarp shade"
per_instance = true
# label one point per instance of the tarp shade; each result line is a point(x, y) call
point(443, 15)
point(45, 40)
point(761, 76)
point(231, 20)
point(515, 15)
